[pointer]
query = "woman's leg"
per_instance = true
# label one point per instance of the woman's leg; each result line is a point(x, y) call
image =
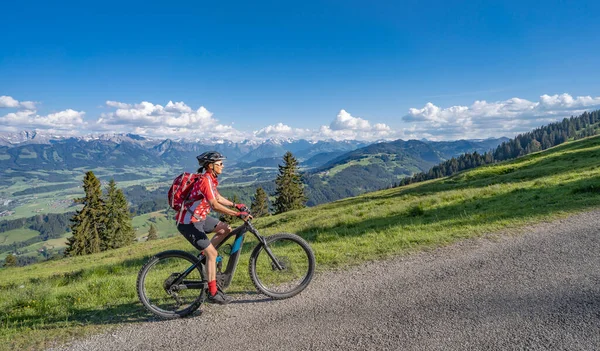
point(214, 294)
point(221, 231)
point(211, 258)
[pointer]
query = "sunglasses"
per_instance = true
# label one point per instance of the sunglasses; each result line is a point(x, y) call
point(220, 164)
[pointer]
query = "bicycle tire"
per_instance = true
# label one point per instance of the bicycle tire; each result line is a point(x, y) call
point(285, 248)
point(178, 261)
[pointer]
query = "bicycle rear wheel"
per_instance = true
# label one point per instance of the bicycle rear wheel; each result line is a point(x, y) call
point(295, 257)
point(162, 289)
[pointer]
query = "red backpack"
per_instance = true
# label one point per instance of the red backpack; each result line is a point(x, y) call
point(181, 188)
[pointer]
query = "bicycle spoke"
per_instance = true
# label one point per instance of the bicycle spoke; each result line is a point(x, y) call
point(296, 262)
point(164, 292)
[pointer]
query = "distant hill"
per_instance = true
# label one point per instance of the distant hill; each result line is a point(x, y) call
point(382, 165)
point(449, 149)
point(321, 159)
point(271, 162)
point(21, 151)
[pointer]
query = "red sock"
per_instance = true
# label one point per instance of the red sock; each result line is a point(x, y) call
point(212, 287)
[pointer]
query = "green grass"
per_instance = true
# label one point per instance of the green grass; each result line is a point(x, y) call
point(165, 226)
point(55, 300)
point(365, 161)
point(16, 235)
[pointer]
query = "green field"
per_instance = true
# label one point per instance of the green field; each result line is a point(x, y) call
point(165, 226)
point(56, 300)
point(61, 201)
point(141, 224)
point(16, 235)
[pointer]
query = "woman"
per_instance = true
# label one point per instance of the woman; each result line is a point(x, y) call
point(194, 224)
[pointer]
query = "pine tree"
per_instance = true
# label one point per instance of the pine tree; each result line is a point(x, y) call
point(152, 233)
point(119, 230)
point(289, 192)
point(88, 223)
point(260, 205)
point(10, 261)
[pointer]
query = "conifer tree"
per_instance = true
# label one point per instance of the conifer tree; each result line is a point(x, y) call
point(260, 205)
point(289, 191)
point(10, 261)
point(119, 230)
point(88, 223)
point(152, 233)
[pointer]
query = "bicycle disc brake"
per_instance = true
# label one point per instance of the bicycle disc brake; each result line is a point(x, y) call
point(170, 289)
point(283, 262)
point(169, 281)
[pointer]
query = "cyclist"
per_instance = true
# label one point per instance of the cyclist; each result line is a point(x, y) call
point(194, 224)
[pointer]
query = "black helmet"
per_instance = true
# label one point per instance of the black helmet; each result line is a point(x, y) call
point(209, 157)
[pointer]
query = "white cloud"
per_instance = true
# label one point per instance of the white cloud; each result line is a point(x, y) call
point(281, 130)
point(174, 120)
point(345, 121)
point(493, 119)
point(178, 120)
point(28, 119)
point(178, 107)
point(345, 127)
point(146, 114)
point(117, 104)
point(28, 105)
point(10, 102)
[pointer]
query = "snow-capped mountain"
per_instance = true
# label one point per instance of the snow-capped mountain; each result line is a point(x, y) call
point(33, 149)
point(26, 136)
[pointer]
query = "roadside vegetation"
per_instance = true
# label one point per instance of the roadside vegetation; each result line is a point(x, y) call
point(53, 301)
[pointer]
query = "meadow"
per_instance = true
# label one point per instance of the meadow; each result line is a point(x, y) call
point(33, 192)
point(53, 301)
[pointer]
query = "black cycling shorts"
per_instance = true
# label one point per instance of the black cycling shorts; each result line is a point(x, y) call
point(196, 232)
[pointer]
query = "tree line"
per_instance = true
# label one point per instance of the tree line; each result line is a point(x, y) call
point(539, 139)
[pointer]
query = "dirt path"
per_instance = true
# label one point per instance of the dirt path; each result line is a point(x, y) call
point(538, 290)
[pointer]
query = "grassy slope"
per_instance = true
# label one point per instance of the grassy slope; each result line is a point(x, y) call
point(58, 299)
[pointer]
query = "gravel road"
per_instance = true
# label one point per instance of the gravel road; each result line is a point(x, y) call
point(538, 289)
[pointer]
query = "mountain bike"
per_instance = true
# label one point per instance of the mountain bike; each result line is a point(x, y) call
point(172, 284)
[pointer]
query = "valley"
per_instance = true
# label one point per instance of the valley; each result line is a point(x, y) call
point(42, 176)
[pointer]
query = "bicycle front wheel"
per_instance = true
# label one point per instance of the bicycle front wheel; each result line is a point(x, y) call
point(168, 288)
point(289, 271)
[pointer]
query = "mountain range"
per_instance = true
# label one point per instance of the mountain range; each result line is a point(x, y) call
point(20, 151)
point(33, 150)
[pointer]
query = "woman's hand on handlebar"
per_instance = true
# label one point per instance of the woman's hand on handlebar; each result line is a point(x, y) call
point(244, 215)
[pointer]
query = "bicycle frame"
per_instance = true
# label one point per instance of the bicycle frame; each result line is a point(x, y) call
point(224, 279)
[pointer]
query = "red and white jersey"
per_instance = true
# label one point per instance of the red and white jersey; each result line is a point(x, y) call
point(197, 206)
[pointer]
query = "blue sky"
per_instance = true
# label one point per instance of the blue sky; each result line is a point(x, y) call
point(328, 69)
